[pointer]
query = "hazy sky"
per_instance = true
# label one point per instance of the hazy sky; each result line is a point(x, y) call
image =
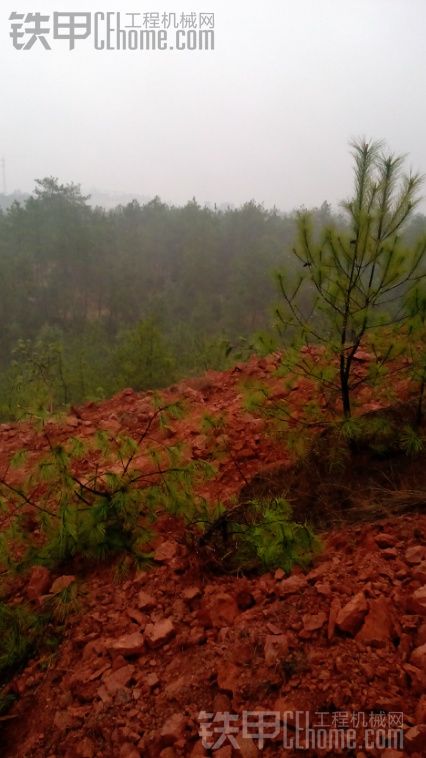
point(267, 115)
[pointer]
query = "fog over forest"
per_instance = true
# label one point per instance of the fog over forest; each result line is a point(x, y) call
point(266, 115)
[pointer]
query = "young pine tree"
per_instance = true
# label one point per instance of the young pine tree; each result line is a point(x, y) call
point(352, 281)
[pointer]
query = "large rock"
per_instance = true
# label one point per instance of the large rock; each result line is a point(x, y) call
point(415, 740)
point(222, 609)
point(351, 616)
point(119, 679)
point(129, 644)
point(292, 585)
point(377, 628)
point(159, 633)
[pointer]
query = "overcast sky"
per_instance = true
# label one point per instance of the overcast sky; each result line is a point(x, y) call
point(267, 115)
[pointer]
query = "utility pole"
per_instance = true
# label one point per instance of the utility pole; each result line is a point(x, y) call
point(3, 172)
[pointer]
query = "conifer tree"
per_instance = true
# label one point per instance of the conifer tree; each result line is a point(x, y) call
point(353, 280)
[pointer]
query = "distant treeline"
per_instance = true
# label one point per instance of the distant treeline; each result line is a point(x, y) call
point(93, 300)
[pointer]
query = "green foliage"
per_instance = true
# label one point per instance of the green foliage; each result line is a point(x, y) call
point(64, 604)
point(129, 297)
point(107, 512)
point(410, 441)
point(416, 309)
point(65, 512)
point(350, 284)
point(274, 540)
point(20, 629)
point(142, 359)
point(259, 535)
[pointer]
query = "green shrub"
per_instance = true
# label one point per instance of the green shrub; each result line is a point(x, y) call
point(258, 535)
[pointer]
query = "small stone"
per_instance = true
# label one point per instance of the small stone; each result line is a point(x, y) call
point(415, 739)
point(314, 621)
point(245, 600)
point(166, 551)
point(418, 657)
point(275, 648)
point(136, 616)
point(86, 748)
point(421, 710)
point(389, 554)
point(377, 628)
point(61, 583)
point(128, 750)
point(227, 677)
point(223, 752)
point(323, 588)
point(173, 729)
point(384, 540)
point(198, 750)
point(247, 747)
point(335, 609)
point(173, 689)
point(191, 593)
point(415, 555)
point(222, 609)
point(418, 601)
point(39, 582)
point(351, 616)
point(151, 680)
point(118, 679)
point(145, 601)
point(292, 585)
point(63, 720)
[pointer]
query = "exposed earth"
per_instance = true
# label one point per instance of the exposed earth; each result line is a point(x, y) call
point(142, 658)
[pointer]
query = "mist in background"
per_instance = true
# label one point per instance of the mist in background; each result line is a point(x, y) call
point(266, 116)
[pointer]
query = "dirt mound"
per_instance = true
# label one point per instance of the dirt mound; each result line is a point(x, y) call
point(141, 658)
point(343, 480)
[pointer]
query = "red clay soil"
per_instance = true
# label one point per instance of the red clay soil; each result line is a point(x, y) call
point(141, 659)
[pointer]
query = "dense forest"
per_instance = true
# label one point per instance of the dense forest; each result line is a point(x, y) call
point(94, 300)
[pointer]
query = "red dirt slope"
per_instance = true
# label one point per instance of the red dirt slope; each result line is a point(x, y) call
point(140, 660)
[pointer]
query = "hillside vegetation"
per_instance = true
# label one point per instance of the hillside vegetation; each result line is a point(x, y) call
point(248, 539)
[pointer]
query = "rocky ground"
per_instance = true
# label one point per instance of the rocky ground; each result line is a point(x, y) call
point(143, 658)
